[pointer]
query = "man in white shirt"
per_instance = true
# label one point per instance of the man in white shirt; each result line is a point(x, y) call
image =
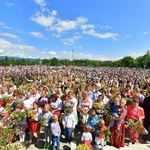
point(96, 93)
point(28, 101)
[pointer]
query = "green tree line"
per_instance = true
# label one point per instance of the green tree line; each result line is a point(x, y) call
point(128, 61)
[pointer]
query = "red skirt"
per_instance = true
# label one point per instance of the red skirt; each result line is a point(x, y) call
point(58, 112)
point(88, 143)
point(116, 139)
point(2, 103)
point(34, 126)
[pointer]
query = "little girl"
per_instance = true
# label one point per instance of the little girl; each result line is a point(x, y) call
point(100, 136)
point(23, 124)
point(48, 115)
point(86, 137)
point(34, 126)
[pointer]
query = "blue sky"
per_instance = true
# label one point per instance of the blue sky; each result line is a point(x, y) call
point(93, 29)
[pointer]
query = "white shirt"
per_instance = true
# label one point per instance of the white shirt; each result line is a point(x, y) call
point(28, 103)
point(95, 95)
point(86, 136)
point(68, 121)
point(105, 100)
point(57, 104)
point(36, 97)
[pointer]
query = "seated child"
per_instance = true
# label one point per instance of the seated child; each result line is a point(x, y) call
point(86, 137)
point(115, 111)
point(100, 136)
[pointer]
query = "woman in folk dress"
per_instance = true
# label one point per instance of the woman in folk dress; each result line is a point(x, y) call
point(84, 107)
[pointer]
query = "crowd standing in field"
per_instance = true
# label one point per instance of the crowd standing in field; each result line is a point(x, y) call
point(98, 99)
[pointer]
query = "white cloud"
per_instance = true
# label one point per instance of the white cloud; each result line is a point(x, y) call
point(1, 50)
point(43, 20)
point(52, 53)
point(40, 2)
point(11, 36)
point(10, 49)
point(136, 54)
point(4, 26)
point(105, 27)
point(85, 26)
point(37, 34)
point(70, 41)
point(64, 25)
point(54, 13)
point(99, 35)
point(43, 53)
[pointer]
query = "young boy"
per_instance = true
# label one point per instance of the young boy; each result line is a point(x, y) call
point(56, 131)
point(69, 123)
point(115, 111)
point(92, 121)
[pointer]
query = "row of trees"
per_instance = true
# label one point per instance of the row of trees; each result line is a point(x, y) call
point(128, 61)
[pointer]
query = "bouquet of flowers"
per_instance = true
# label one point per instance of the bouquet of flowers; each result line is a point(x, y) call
point(9, 107)
point(96, 105)
point(83, 147)
point(129, 100)
point(18, 115)
point(68, 107)
point(31, 114)
point(42, 122)
point(107, 134)
point(19, 103)
point(5, 98)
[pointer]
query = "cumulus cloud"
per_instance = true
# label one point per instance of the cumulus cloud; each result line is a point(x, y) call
point(37, 34)
point(64, 25)
point(99, 35)
point(40, 2)
point(52, 53)
point(59, 26)
point(44, 20)
point(11, 49)
point(70, 41)
point(86, 26)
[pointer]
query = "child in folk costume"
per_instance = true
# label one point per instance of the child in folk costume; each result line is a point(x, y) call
point(86, 137)
point(100, 136)
point(55, 132)
point(1, 109)
point(48, 115)
point(34, 126)
point(23, 124)
point(5, 121)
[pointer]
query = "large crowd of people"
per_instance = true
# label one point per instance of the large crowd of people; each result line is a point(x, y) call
point(97, 99)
